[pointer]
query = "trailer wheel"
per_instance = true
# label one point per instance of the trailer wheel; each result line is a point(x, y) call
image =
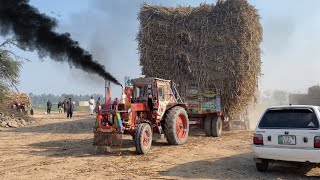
point(143, 138)
point(216, 126)
point(207, 125)
point(176, 126)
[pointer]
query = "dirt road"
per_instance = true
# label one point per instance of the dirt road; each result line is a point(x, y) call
point(37, 152)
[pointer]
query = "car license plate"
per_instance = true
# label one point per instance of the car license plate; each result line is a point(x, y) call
point(287, 140)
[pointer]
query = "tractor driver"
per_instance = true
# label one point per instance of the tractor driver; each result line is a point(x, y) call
point(150, 104)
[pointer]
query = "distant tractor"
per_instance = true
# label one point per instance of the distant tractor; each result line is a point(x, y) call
point(152, 106)
point(240, 122)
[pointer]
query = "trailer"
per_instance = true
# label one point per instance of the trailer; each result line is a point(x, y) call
point(204, 108)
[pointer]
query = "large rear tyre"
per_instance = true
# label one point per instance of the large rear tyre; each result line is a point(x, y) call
point(216, 126)
point(143, 138)
point(176, 126)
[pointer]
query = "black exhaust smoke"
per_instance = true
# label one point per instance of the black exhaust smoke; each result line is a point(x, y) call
point(35, 31)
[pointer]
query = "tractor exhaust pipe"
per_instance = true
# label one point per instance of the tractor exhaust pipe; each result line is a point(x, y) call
point(107, 94)
point(123, 95)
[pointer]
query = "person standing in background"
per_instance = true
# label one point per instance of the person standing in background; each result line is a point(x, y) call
point(64, 106)
point(60, 107)
point(110, 105)
point(98, 106)
point(70, 108)
point(150, 105)
point(49, 106)
point(115, 103)
point(91, 106)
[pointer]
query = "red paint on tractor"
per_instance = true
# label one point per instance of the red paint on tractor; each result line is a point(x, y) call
point(139, 107)
point(181, 126)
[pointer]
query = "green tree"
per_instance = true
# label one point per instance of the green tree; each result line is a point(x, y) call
point(10, 65)
point(314, 91)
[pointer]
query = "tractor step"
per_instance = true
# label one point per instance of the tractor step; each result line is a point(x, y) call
point(160, 130)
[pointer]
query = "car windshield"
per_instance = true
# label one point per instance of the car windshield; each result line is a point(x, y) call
point(289, 119)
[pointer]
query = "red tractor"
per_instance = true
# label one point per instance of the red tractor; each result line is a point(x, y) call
point(148, 106)
point(152, 106)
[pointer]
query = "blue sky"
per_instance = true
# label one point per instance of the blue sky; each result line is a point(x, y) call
point(108, 30)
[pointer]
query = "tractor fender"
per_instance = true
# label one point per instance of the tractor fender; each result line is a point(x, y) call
point(172, 106)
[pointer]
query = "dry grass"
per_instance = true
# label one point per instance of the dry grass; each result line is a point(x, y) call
point(20, 98)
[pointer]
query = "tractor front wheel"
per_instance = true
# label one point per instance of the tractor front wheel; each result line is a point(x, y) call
point(176, 126)
point(143, 138)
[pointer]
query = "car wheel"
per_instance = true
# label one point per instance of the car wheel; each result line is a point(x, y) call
point(263, 166)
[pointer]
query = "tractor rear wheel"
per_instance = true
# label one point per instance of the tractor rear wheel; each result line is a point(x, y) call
point(176, 126)
point(143, 138)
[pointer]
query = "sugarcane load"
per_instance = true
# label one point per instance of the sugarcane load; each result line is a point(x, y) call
point(215, 44)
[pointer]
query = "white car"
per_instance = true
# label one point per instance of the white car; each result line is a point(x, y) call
point(287, 133)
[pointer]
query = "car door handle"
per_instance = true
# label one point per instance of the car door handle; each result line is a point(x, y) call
point(305, 139)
